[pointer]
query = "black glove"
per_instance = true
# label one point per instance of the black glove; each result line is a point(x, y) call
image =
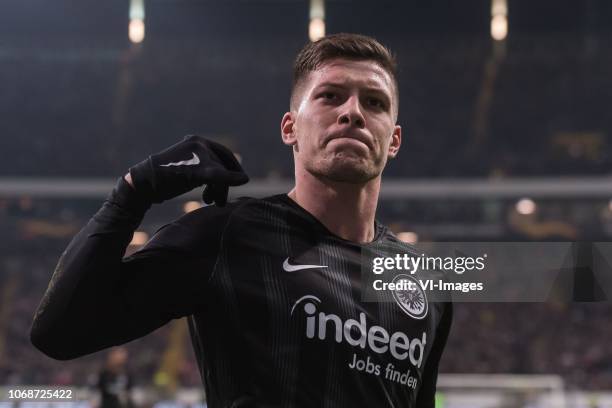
point(186, 165)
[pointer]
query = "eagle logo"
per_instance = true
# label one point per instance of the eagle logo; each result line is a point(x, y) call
point(412, 301)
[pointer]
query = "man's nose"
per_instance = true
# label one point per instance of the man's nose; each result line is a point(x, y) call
point(351, 113)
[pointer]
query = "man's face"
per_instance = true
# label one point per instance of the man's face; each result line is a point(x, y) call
point(343, 126)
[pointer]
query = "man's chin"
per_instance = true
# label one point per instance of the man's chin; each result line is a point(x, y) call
point(347, 172)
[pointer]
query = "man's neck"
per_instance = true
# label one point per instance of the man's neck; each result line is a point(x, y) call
point(347, 210)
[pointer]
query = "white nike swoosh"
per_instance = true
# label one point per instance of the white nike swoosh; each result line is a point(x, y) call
point(191, 162)
point(292, 268)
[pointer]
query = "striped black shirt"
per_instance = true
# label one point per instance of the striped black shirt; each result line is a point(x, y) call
point(274, 302)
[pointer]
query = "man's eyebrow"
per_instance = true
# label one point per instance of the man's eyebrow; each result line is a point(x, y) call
point(331, 84)
point(345, 84)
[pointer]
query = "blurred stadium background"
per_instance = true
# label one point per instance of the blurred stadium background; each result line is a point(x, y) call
point(505, 107)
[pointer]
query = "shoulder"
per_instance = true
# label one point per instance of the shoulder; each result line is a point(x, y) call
point(247, 211)
point(242, 207)
point(208, 224)
point(209, 215)
point(196, 229)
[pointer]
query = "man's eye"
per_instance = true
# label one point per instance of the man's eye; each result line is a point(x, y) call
point(375, 102)
point(328, 95)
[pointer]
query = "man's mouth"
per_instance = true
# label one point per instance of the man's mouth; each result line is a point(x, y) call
point(352, 136)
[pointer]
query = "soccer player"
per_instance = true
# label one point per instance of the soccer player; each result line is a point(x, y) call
point(115, 381)
point(271, 287)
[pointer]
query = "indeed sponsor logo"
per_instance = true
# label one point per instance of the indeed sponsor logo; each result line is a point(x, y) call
point(357, 334)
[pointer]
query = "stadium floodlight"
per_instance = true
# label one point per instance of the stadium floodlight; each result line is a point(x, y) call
point(525, 206)
point(499, 28)
point(499, 8)
point(316, 28)
point(136, 28)
point(499, 19)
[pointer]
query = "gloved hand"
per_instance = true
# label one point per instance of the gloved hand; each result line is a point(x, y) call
point(186, 165)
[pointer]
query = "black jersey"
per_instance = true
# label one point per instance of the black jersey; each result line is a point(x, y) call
point(274, 302)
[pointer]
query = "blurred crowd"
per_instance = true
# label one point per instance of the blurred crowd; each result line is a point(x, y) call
point(567, 339)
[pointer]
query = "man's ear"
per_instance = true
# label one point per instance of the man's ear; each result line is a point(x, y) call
point(287, 129)
point(396, 141)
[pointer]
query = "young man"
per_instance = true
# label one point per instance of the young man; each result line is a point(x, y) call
point(271, 286)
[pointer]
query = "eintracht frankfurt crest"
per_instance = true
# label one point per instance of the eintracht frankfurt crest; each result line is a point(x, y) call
point(413, 301)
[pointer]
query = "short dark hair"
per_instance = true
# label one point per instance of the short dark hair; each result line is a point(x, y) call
point(342, 45)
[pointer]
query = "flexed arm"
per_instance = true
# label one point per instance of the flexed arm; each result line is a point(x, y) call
point(96, 298)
